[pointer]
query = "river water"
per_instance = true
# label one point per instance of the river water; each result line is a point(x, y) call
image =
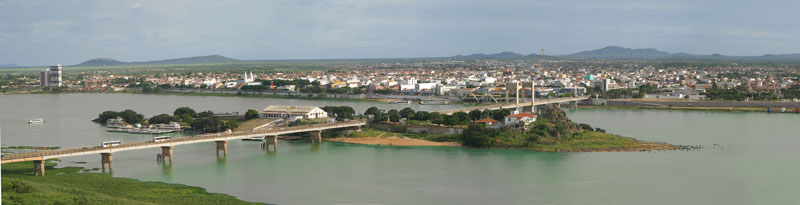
point(749, 158)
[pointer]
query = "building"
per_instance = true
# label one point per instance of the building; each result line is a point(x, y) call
point(292, 113)
point(51, 77)
point(486, 121)
point(520, 119)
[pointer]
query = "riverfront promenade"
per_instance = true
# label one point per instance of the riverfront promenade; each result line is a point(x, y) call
point(166, 146)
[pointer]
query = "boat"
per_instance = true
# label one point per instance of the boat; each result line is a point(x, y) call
point(253, 139)
point(36, 121)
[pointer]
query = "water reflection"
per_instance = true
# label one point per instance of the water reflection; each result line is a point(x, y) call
point(166, 168)
point(315, 147)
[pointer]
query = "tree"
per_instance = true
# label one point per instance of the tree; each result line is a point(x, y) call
point(449, 120)
point(487, 113)
point(395, 117)
point(185, 118)
point(435, 116)
point(501, 115)
point(372, 111)
point(475, 115)
point(103, 117)
point(185, 110)
point(340, 112)
point(421, 116)
point(205, 114)
point(210, 124)
point(251, 114)
point(393, 112)
point(131, 116)
point(161, 119)
point(461, 118)
point(407, 113)
point(477, 135)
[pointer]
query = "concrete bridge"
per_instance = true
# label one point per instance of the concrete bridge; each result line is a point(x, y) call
point(535, 102)
point(221, 139)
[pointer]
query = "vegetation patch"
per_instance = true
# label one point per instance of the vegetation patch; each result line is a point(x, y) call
point(68, 186)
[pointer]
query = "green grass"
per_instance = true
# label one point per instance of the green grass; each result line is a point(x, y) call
point(591, 141)
point(588, 141)
point(371, 132)
point(69, 186)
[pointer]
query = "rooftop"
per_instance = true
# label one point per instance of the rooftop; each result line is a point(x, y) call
point(288, 108)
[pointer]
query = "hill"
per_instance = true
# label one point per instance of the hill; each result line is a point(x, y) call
point(620, 53)
point(616, 52)
point(502, 55)
point(189, 60)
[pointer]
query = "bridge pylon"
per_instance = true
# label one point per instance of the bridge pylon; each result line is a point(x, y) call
point(221, 145)
point(315, 136)
point(106, 158)
point(166, 151)
point(38, 167)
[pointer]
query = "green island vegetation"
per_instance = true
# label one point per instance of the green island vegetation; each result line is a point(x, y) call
point(551, 132)
point(70, 186)
point(189, 119)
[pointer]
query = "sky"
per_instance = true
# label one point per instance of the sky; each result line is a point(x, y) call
point(34, 32)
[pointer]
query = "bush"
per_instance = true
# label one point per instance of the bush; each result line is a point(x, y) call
point(161, 119)
point(477, 135)
point(251, 114)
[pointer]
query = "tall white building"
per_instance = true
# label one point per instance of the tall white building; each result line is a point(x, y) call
point(51, 77)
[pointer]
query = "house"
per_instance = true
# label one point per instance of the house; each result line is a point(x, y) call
point(292, 113)
point(486, 121)
point(523, 118)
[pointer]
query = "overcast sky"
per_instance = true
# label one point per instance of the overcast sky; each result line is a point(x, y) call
point(34, 32)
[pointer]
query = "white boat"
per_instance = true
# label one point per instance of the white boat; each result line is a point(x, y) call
point(36, 121)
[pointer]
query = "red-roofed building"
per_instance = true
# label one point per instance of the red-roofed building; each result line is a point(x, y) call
point(520, 119)
point(486, 121)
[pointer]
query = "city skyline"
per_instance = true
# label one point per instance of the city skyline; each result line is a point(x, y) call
point(72, 32)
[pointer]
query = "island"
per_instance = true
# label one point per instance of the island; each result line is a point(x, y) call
point(549, 131)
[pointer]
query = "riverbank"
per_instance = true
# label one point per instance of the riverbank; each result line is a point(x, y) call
point(717, 109)
point(601, 142)
point(69, 186)
point(589, 141)
point(370, 136)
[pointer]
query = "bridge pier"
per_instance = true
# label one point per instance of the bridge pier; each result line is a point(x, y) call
point(315, 135)
point(221, 145)
point(38, 167)
point(273, 140)
point(166, 151)
point(107, 158)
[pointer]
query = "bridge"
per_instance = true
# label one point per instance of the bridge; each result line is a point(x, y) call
point(515, 105)
point(221, 140)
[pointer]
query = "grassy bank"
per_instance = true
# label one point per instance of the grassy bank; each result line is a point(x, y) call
point(69, 186)
point(718, 109)
point(586, 141)
point(591, 141)
point(370, 132)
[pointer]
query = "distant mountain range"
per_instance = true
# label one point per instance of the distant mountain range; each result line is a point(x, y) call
point(610, 52)
point(620, 53)
point(190, 60)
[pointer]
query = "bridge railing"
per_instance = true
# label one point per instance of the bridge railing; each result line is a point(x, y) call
point(45, 153)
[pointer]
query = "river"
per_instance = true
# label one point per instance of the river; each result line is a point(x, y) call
point(749, 158)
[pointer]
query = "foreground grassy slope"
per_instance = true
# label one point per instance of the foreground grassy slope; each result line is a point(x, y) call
point(68, 186)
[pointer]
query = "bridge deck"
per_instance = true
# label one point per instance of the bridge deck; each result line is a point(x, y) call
point(49, 154)
point(514, 105)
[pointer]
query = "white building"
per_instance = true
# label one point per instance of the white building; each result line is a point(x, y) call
point(292, 113)
point(520, 119)
point(51, 77)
